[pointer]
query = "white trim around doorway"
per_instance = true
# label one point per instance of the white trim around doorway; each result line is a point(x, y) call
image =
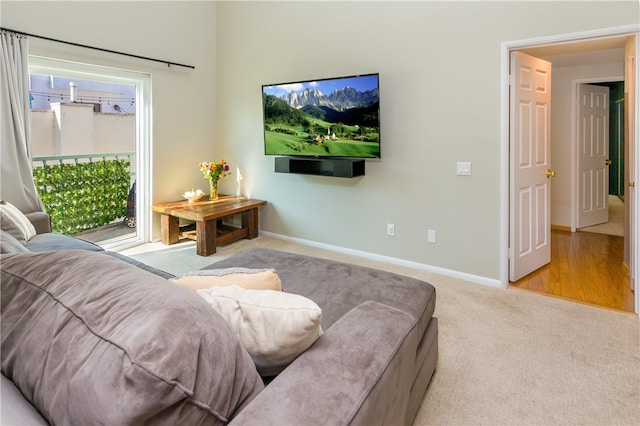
point(506, 48)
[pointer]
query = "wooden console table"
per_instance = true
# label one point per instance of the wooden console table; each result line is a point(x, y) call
point(208, 216)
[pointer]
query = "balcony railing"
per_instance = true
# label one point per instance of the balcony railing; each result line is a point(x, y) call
point(85, 191)
point(86, 158)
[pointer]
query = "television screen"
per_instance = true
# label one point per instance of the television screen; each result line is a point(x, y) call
point(333, 117)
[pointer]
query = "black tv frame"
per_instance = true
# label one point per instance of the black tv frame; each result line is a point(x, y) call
point(306, 84)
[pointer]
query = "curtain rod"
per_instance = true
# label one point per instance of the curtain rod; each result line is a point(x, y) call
point(98, 48)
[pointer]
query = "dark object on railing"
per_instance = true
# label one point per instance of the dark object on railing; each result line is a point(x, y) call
point(130, 218)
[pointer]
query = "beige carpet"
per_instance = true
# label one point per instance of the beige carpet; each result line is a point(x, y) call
point(507, 357)
point(615, 225)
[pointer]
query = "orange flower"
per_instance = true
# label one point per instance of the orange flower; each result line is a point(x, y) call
point(214, 171)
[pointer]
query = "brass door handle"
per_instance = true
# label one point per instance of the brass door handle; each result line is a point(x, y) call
point(607, 162)
point(550, 173)
point(632, 184)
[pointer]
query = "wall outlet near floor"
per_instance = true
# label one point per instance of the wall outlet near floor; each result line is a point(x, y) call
point(431, 236)
point(391, 229)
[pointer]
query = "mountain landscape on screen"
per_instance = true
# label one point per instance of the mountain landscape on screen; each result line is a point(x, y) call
point(323, 118)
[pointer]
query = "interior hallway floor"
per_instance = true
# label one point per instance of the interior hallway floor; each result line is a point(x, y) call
point(587, 266)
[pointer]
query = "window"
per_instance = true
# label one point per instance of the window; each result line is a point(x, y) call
point(79, 110)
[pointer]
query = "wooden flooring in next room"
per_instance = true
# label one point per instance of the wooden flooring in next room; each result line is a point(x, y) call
point(585, 267)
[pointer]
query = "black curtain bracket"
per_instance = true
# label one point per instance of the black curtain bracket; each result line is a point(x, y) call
point(169, 63)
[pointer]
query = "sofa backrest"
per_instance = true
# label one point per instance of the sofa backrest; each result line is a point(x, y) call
point(90, 339)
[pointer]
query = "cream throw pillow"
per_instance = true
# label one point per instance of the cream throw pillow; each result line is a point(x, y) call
point(254, 279)
point(14, 222)
point(273, 326)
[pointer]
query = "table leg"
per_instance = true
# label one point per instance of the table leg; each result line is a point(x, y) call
point(169, 229)
point(250, 221)
point(206, 237)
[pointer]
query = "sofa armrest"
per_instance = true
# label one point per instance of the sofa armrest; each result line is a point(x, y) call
point(358, 372)
point(41, 221)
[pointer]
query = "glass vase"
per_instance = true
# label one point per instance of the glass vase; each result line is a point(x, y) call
point(213, 190)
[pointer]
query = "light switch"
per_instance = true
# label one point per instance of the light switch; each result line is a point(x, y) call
point(463, 168)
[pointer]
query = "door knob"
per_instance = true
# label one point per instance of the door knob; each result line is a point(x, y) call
point(607, 162)
point(550, 173)
point(632, 184)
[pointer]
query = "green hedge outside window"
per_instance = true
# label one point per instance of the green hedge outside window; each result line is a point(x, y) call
point(85, 195)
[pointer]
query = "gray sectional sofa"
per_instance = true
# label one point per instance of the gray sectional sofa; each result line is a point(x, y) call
point(92, 337)
point(45, 240)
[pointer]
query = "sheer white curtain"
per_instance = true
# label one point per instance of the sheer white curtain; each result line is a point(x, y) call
point(16, 179)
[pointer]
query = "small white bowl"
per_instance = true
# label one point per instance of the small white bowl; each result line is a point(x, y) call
point(192, 197)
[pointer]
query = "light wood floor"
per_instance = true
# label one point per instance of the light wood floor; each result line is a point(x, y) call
point(585, 267)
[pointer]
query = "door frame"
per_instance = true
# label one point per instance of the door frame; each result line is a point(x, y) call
point(574, 140)
point(506, 48)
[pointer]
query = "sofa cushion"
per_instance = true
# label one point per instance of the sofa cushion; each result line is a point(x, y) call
point(15, 222)
point(275, 327)
point(53, 241)
point(250, 279)
point(41, 221)
point(138, 264)
point(337, 287)
point(9, 244)
point(89, 339)
point(361, 370)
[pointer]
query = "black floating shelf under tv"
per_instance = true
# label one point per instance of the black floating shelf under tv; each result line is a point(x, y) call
point(337, 167)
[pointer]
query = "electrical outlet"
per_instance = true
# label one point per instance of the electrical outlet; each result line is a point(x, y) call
point(431, 236)
point(391, 229)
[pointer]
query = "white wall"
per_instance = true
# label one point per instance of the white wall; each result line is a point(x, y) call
point(114, 132)
point(439, 65)
point(74, 133)
point(43, 132)
point(109, 133)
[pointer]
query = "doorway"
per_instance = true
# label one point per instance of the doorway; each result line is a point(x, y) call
point(616, 136)
point(576, 45)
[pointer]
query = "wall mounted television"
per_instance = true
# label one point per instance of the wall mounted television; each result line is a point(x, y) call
point(324, 118)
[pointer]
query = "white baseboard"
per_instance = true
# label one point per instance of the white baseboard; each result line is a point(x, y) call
point(491, 282)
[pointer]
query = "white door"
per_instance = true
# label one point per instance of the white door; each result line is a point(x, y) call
point(593, 155)
point(530, 165)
